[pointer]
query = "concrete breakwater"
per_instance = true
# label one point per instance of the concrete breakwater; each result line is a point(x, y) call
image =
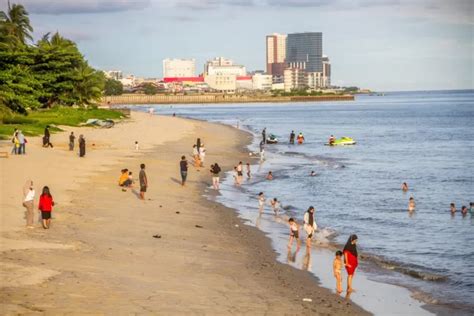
point(215, 98)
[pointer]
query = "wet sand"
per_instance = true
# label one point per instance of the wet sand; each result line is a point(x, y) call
point(100, 255)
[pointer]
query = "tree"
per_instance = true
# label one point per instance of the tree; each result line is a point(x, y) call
point(113, 87)
point(150, 88)
point(89, 85)
point(15, 26)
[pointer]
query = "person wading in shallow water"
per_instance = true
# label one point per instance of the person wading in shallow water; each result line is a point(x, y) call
point(350, 260)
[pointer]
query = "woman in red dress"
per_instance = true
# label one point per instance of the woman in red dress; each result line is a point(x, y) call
point(350, 260)
point(46, 207)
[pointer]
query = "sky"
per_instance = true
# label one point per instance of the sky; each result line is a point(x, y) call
point(384, 45)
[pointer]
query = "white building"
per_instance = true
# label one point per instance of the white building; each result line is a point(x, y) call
point(294, 78)
point(179, 68)
point(326, 72)
point(222, 82)
point(315, 80)
point(113, 74)
point(223, 66)
point(261, 82)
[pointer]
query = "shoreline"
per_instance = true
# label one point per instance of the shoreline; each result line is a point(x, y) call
point(233, 268)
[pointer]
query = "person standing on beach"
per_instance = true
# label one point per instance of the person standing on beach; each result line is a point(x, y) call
point(143, 181)
point(337, 267)
point(350, 260)
point(29, 194)
point(264, 135)
point(72, 138)
point(292, 138)
point(22, 142)
point(150, 111)
point(294, 233)
point(202, 154)
point(136, 146)
point(82, 146)
point(183, 167)
point(46, 204)
point(310, 225)
point(261, 202)
point(215, 170)
point(46, 137)
point(14, 149)
point(198, 145)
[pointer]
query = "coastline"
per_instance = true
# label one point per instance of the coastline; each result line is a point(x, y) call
point(101, 239)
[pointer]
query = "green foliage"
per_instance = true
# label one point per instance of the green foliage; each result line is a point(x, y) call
point(52, 72)
point(113, 87)
point(150, 89)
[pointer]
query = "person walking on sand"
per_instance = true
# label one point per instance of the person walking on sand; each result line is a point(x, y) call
point(202, 154)
point(72, 138)
point(46, 137)
point(337, 267)
point(16, 144)
point(46, 204)
point(183, 167)
point(143, 181)
point(22, 143)
point(14, 150)
point(292, 138)
point(215, 170)
point(350, 260)
point(82, 146)
point(136, 146)
point(294, 233)
point(261, 202)
point(310, 225)
point(29, 197)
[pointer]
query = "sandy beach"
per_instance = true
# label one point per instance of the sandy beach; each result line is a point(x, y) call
point(100, 257)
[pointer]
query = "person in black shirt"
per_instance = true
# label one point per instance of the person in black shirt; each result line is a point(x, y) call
point(183, 166)
point(71, 141)
point(215, 170)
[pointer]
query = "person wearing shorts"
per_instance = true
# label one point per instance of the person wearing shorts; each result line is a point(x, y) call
point(309, 225)
point(215, 170)
point(183, 167)
point(143, 181)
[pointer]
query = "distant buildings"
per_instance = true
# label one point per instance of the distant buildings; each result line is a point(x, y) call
point(113, 74)
point(179, 68)
point(276, 55)
point(305, 51)
point(223, 66)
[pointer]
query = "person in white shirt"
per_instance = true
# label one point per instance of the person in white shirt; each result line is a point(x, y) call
point(309, 225)
point(29, 194)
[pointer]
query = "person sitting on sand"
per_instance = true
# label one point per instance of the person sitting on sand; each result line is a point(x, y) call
point(129, 182)
point(45, 205)
point(270, 175)
point(310, 225)
point(452, 208)
point(464, 210)
point(123, 177)
point(404, 187)
point(337, 267)
point(350, 260)
point(261, 202)
point(411, 204)
point(275, 205)
point(294, 233)
point(313, 174)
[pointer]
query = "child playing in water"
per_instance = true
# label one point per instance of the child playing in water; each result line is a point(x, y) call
point(270, 175)
point(452, 208)
point(261, 202)
point(294, 233)
point(336, 267)
point(411, 204)
point(275, 205)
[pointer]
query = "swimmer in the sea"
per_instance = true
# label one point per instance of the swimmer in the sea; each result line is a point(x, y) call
point(270, 175)
point(313, 174)
point(464, 210)
point(411, 204)
point(452, 208)
point(404, 187)
point(275, 205)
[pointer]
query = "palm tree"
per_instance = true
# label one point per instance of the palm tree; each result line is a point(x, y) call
point(15, 25)
point(89, 85)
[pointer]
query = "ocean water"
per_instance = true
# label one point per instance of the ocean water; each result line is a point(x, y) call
point(423, 138)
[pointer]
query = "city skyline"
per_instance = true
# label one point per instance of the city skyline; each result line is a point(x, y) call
point(382, 45)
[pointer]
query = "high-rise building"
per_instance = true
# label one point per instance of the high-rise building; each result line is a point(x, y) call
point(179, 68)
point(305, 51)
point(223, 66)
point(276, 54)
point(326, 72)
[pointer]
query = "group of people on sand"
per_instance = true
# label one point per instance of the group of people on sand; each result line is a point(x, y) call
point(126, 180)
point(19, 143)
point(45, 205)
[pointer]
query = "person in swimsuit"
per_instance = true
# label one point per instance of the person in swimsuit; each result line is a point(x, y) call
point(452, 208)
point(464, 210)
point(337, 267)
point(248, 170)
point(350, 260)
point(240, 173)
point(275, 205)
point(294, 233)
point(270, 175)
point(411, 204)
point(404, 187)
point(471, 208)
point(261, 202)
point(310, 225)
point(313, 174)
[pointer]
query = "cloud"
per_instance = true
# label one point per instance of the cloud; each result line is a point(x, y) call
point(57, 7)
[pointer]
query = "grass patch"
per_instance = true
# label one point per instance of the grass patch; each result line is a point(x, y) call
point(34, 123)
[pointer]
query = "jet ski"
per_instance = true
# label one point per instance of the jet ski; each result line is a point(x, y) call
point(272, 139)
point(343, 141)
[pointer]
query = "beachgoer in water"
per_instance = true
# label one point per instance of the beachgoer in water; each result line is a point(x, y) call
point(452, 208)
point(300, 138)
point(261, 202)
point(215, 171)
point(411, 204)
point(72, 138)
point(350, 260)
point(183, 168)
point(292, 137)
point(337, 267)
point(240, 173)
point(294, 233)
point(82, 146)
point(331, 140)
point(262, 150)
point(28, 201)
point(270, 175)
point(464, 210)
point(236, 175)
point(143, 181)
point(404, 187)
point(313, 174)
point(471, 208)
point(46, 204)
point(264, 135)
point(136, 146)
point(310, 225)
point(275, 205)
point(202, 154)
point(248, 171)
